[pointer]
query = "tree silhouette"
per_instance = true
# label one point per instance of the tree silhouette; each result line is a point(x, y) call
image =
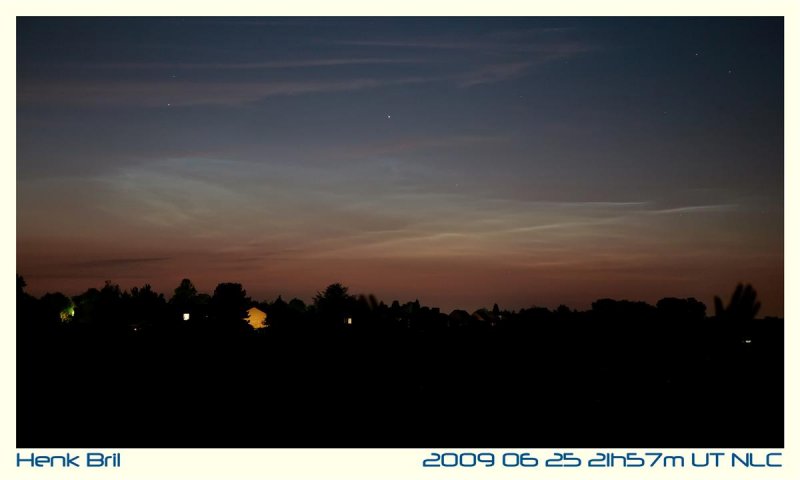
point(688, 309)
point(26, 304)
point(386, 356)
point(147, 307)
point(277, 313)
point(229, 306)
point(103, 308)
point(297, 305)
point(334, 305)
point(743, 305)
point(56, 308)
point(184, 293)
point(186, 301)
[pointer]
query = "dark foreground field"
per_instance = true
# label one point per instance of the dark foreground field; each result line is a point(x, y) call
point(577, 380)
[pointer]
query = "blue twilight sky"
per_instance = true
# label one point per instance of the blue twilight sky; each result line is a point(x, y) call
point(461, 161)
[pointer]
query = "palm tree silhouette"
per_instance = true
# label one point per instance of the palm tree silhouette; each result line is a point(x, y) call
point(743, 305)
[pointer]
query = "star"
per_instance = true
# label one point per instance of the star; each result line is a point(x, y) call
point(388, 116)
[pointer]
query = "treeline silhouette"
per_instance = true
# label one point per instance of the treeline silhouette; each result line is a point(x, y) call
point(114, 368)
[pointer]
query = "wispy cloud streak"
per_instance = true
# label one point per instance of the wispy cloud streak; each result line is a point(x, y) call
point(274, 64)
point(695, 209)
point(181, 93)
point(118, 262)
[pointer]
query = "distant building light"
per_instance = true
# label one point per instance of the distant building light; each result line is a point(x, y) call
point(349, 320)
point(186, 316)
point(748, 341)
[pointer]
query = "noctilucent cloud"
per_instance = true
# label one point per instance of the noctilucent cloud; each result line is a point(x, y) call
point(460, 161)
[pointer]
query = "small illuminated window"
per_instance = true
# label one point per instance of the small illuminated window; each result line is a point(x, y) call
point(186, 316)
point(349, 320)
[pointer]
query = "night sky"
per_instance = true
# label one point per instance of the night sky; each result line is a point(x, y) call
point(460, 161)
